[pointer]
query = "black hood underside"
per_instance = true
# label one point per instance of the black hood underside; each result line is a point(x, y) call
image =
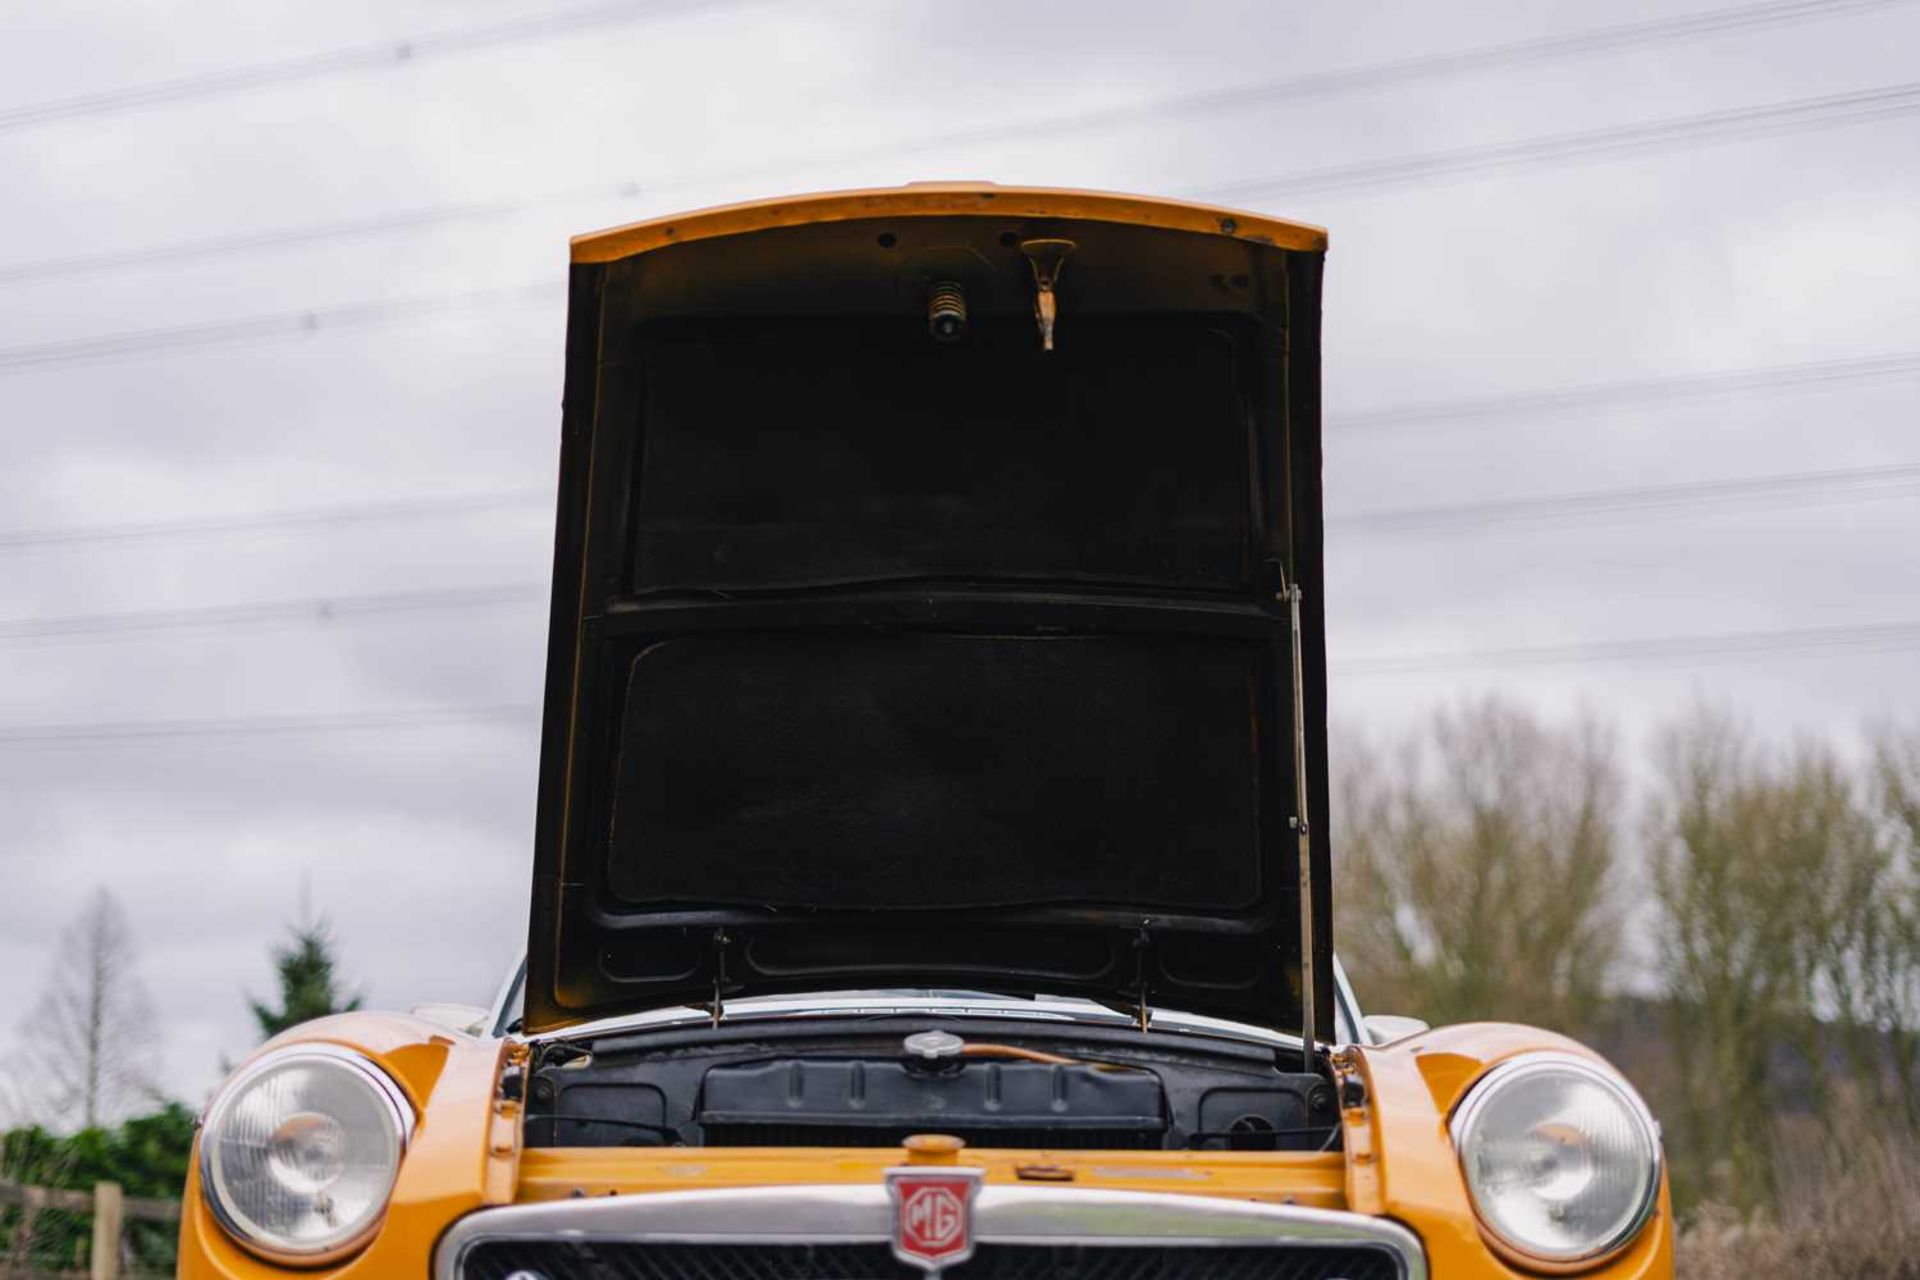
point(885, 662)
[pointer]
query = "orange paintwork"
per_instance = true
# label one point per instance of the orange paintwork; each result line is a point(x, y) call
point(1397, 1162)
point(453, 1083)
point(932, 199)
point(1285, 1177)
point(1401, 1163)
point(465, 1155)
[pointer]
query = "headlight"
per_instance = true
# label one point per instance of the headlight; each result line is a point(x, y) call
point(299, 1152)
point(1561, 1157)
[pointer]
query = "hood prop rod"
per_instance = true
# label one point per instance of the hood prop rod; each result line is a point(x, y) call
point(717, 1008)
point(1309, 1039)
point(1142, 945)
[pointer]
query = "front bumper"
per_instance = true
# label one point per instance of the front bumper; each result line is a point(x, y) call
point(1020, 1217)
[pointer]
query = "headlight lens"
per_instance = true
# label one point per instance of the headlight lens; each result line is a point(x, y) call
point(299, 1153)
point(1561, 1157)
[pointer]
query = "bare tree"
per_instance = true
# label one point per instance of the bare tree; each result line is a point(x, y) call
point(16, 1101)
point(1477, 867)
point(92, 1032)
point(1761, 864)
point(1878, 988)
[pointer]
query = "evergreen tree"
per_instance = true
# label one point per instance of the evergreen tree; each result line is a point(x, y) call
point(308, 988)
point(147, 1155)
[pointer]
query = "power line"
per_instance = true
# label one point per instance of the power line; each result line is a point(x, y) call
point(1656, 135)
point(1837, 486)
point(1380, 75)
point(1688, 130)
point(250, 241)
point(1312, 85)
point(298, 518)
point(399, 52)
point(1637, 391)
point(1859, 484)
point(1800, 488)
point(1794, 488)
point(322, 610)
point(1721, 645)
point(132, 344)
point(144, 731)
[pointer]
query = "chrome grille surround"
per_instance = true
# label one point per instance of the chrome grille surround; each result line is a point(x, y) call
point(863, 1214)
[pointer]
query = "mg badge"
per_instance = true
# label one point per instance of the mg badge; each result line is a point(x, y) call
point(933, 1215)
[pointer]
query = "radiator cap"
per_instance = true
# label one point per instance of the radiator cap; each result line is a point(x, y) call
point(933, 1148)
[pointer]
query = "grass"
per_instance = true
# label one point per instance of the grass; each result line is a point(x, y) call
point(1847, 1207)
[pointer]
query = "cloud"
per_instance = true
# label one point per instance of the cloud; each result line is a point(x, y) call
point(1789, 248)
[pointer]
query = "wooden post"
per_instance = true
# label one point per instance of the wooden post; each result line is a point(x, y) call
point(32, 1201)
point(107, 1204)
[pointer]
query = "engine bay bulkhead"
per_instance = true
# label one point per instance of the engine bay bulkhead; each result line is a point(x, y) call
point(996, 1085)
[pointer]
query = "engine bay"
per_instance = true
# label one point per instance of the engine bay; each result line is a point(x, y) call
point(871, 1083)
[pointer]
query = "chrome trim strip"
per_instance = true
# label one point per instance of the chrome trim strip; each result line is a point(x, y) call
point(863, 1214)
point(903, 1004)
point(1347, 1027)
point(1350, 1025)
point(504, 998)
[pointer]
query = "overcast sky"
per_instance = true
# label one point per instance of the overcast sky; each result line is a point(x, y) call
point(409, 349)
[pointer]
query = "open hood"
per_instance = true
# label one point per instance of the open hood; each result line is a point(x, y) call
point(879, 659)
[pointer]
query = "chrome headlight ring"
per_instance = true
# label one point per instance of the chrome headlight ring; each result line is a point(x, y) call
point(1561, 1159)
point(299, 1153)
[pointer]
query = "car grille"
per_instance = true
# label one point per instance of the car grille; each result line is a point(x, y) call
point(616, 1260)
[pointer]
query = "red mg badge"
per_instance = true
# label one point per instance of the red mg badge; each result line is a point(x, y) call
point(933, 1215)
